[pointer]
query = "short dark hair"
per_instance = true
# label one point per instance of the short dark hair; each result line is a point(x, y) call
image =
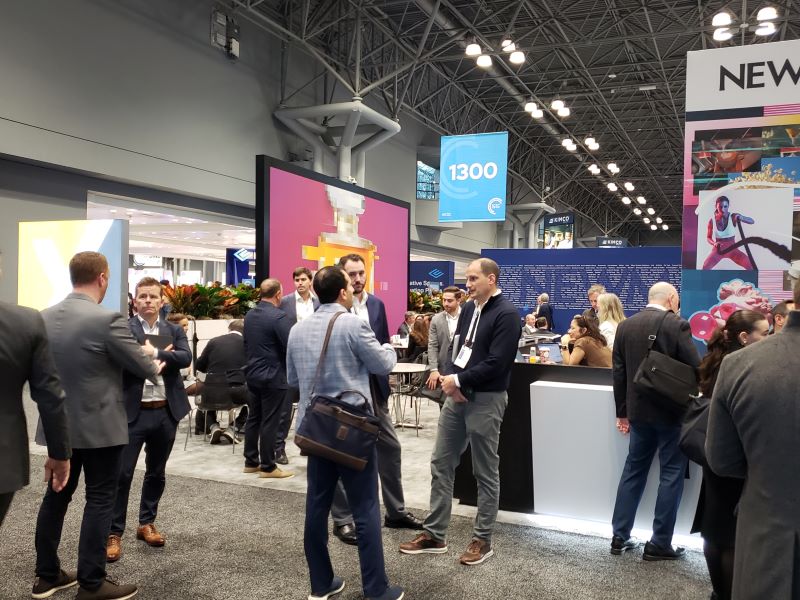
point(541, 323)
point(328, 283)
point(452, 289)
point(781, 308)
point(164, 282)
point(302, 271)
point(269, 288)
point(352, 257)
point(86, 267)
point(176, 317)
point(147, 282)
point(236, 325)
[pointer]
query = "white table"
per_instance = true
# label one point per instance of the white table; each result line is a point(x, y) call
point(405, 371)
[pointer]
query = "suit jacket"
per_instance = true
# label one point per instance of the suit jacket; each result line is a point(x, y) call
point(353, 354)
point(438, 342)
point(630, 348)
point(222, 353)
point(25, 356)
point(404, 330)
point(176, 359)
point(92, 346)
point(266, 334)
point(289, 306)
point(545, 310)
point(754, 433)
point(380, 327)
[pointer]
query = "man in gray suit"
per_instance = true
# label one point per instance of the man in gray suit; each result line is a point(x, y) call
point(25, 356)
point(443, 326)
point(754, 433)
point(91, 346)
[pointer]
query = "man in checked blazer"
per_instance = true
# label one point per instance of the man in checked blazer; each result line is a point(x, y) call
point(353, 354)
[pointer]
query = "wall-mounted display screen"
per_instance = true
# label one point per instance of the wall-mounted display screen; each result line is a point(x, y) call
point(556, 231)
point(304, 219)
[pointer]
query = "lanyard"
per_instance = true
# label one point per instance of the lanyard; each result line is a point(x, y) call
point(473, 328)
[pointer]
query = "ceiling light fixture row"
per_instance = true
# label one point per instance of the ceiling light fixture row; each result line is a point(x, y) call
point(484, 61)
point(723, 21)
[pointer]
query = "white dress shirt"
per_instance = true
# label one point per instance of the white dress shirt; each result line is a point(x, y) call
point(360, 307)
point(452, 321)
point(304, 308)
point(150, 392)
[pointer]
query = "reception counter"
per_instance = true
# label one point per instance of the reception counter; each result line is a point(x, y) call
point(560, 452)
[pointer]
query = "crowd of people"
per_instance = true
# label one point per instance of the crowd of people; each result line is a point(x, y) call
point(106, 388)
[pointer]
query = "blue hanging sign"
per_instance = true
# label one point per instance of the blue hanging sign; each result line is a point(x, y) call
point(473, 173)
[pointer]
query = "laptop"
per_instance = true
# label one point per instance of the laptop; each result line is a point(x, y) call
point(548, 353)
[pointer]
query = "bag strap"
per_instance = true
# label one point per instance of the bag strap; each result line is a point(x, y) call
point(652, 337)
point(324, 350)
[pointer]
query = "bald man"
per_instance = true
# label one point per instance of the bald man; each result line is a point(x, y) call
point(266, 335)
point(651, 426)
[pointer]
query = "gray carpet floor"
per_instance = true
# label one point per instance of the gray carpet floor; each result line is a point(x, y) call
point(239, 542)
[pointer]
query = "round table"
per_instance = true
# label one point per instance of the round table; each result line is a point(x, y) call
point(405, 371)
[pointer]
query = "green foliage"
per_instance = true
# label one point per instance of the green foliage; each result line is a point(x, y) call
point(212, 301)
point(425, 303)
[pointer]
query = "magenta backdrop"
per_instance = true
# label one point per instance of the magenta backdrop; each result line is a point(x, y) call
point(299, 211)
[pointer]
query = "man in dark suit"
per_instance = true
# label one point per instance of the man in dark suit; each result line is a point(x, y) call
point(753, 427)
point(371, 310)
point(651, 427)
point(543, 309)
point(266, 333)
point(298, 306)
point(153, 411)
point(91, 347)
point(222, 355)
point(25, 356)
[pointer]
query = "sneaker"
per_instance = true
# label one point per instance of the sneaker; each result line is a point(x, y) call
point(477, 552)
point(337, 585)
point(620, 546)
point(281, 458)
point(653, 552)
point(108, 590)
point(44, 588)
point(392, 593)
point(248, 469)
point(216, 434)
point(423, 544)
point(228, 435)
point(276, 474)
point(113, 548)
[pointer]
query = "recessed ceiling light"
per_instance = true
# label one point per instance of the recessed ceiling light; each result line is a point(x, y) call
point(612, 75)
point(113, 210)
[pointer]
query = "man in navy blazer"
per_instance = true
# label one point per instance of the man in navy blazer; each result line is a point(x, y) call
point(154, 411)
point(371, 310)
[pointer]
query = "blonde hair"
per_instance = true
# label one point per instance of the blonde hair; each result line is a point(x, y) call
point(609, 308)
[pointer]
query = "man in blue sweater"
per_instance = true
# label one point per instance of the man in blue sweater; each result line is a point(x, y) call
point(477, 377)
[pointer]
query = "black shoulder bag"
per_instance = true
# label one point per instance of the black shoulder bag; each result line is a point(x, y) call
point(667, 381)
point(335, 430)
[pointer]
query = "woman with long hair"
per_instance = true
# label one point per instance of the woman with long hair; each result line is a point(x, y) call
point(417, 339)
point(610, 314)
point(715, 518)
point(589, 347)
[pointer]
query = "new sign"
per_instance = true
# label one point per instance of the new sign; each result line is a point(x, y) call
point(473, 173)
point(743, 76)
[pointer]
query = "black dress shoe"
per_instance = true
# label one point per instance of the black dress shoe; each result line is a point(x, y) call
point(408, 521)
point(281, 458)
point(654, 552)
point(619, 546)
point(346, 533)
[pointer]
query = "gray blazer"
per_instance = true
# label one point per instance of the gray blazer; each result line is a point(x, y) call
point(438, 342)
point(754, 433)
point(25, 356)
point(91, 346)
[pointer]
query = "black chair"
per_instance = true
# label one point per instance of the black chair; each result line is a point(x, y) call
point(221, 391)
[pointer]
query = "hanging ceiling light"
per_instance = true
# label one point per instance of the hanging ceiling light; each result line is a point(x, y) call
point(537, 113)
point(665, 227)
point(472, 49)
point(507, 45)
point(723, 34)
point(613, 168)
point(557, 104)
point(485, 61)
point(768, 13)
point(594, 146)
point(612, 187)
point(563, 112)
point(626, 200)
point(659, 220)
point(517, 57)
point(594, 169)
point(646, 220)
point(530, 106)
point(651, 210)
point(572, 147)
point(637, 211)
point(566, 142)
point(654, 227)
point(722, 19)
point(766, 28)
point(641, 200)
point(590, 141)
point(628, 186)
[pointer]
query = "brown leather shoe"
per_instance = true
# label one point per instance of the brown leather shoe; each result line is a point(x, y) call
point(113, 548)
point(150, 534)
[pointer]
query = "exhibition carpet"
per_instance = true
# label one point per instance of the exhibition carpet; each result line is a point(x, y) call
point(227, 541)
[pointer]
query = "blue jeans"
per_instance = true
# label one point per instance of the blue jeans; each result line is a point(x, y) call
point(645, 440)
point(362, 493)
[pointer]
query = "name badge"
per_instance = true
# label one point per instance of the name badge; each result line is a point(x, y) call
point(463, 357)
